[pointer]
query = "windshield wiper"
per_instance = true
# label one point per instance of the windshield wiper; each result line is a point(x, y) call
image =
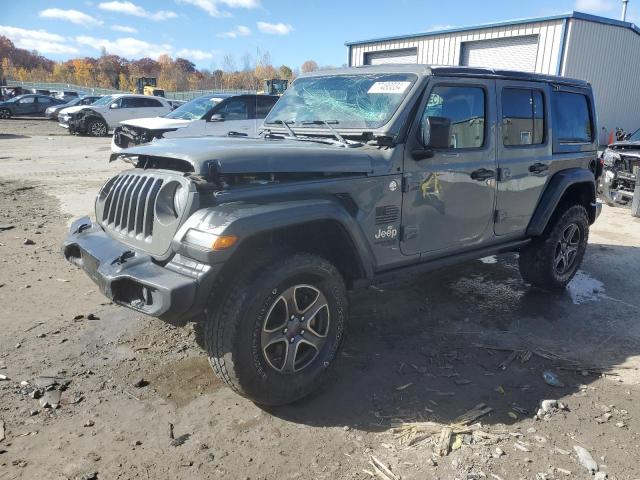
point(327, 123)
point(285, 124)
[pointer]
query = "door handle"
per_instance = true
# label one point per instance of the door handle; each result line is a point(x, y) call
point(483, 174)
point(538, 167)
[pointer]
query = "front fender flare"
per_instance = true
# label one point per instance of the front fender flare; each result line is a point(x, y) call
point(246, 220)
point(553, 193)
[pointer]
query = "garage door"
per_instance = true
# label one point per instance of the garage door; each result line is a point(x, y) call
point(512, 53)
point(405, 55)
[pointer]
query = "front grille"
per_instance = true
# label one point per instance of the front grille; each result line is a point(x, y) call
point(631, 162)
point(130, 204)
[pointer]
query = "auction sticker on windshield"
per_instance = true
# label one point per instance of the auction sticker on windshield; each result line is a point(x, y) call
point(389, 87)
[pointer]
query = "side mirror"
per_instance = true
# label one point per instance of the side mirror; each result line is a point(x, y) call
point(113, 105)
point(217, 117)
point(434, 133)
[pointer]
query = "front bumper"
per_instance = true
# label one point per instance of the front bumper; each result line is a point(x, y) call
point(173, 292)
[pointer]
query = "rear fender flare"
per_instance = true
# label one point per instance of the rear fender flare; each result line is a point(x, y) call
point(553, 193)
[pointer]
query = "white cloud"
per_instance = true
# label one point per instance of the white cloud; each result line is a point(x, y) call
point(43, 42)
point(239, 31)
point(73, 16)
point(195, 54)
point(124, 28)
point(212, 7)
point(596, 6)
point(127, 47)
point(439, 27)
point(275, 28)
point(129, 8)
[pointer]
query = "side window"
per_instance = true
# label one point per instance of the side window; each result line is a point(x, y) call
point(150, 102)
point(264, 106)
point(27, 100)
point(522, 117)
point(457, 114)
point(235, 110)
point(44, 100)
point(132, 102)
point(571, 118)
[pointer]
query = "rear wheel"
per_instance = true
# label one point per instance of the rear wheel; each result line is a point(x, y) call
point(273, 337)
point(551, 260)
point(5, 113)
point(97, 128)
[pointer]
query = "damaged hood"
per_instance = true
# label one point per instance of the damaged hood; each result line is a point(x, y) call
point(71, 110)
point(157, 123)
point(255, 155)
point(625, 145)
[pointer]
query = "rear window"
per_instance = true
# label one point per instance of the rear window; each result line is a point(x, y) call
point(572, 118)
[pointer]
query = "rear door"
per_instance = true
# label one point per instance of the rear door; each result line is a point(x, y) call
point(524, 152)
point(449, 199)
point(42, 103)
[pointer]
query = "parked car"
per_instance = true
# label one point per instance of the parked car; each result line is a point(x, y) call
point(206, 115)
point(27, 105)
point(618, 181)
point(363, 175)
point(52, 112)
point(105, 114)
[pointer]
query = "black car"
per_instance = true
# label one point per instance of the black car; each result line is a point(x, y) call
point(31, 105)
point(52, 112)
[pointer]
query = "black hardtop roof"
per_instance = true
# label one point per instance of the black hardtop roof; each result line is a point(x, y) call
point(438, 70)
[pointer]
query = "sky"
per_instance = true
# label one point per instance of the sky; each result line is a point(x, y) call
point(292, 31)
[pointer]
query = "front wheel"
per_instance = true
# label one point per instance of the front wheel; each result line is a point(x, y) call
point(273, 337)
point(5, 113)
point(97, 128)
point(550, 261)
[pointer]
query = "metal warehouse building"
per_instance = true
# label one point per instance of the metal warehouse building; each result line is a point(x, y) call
point(603, 51)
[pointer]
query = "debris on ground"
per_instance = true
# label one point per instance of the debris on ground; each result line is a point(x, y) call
point(176, 442)
point(472, 415)
point(3, 377)
point(6, 226)
point(140, 383)
point(444, 443)
point(552, 379)
point(548, 408)
point(381, 470)
point(2, 434)
point(28, 241)
point(586, 460)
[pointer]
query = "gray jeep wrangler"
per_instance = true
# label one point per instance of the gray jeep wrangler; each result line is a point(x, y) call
point(361, 174)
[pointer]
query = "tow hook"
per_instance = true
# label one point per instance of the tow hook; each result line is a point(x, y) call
point(123, 257)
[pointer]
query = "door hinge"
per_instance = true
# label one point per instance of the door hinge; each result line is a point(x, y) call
point(405, 184)
point(500, 216)
point(408, 233)
point(504, 174)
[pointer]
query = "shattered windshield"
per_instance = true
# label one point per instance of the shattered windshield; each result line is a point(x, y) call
point(635, 136)
point(195, 109)
point(350, 101)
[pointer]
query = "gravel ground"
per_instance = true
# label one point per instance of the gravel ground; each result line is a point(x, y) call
point(138, 399)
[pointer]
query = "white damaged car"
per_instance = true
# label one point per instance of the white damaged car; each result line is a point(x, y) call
point(213, 114)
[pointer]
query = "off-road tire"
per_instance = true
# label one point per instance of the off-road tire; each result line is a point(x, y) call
point(97, 128)
point(5, 113)
point(537, 260)
point(234, 321)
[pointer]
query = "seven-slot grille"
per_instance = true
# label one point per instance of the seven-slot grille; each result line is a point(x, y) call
point(130, 203)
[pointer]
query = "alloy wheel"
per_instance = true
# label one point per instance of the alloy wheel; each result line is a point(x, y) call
point(98, 129)
point(4, 113)
point(295, 328)
point(567, 249)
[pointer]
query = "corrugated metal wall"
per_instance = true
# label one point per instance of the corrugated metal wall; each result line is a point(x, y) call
point(445, 49)
point(609, 58)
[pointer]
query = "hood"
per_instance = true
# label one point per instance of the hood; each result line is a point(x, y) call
point(70, 110)
point(257, 155)
point(157, 123)
point(626, 144)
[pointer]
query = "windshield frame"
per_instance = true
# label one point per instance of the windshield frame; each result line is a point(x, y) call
point(637, 139)
point(389, 123)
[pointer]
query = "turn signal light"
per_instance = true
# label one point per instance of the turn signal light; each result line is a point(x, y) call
point(224, 242)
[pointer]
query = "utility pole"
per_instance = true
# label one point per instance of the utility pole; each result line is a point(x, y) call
point(624, 9)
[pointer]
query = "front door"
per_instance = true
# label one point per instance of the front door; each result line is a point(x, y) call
point(449, 198)
point(524, 153)
point(26, 106)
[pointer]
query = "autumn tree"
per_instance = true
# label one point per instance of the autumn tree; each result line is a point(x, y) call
point(309, 66)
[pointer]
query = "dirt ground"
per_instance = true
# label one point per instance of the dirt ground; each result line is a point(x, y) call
point(427, 349)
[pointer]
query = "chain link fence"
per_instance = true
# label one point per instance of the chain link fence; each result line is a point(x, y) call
point(184, 96)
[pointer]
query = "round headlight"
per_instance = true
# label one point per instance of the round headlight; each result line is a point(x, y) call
point(179, 199)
